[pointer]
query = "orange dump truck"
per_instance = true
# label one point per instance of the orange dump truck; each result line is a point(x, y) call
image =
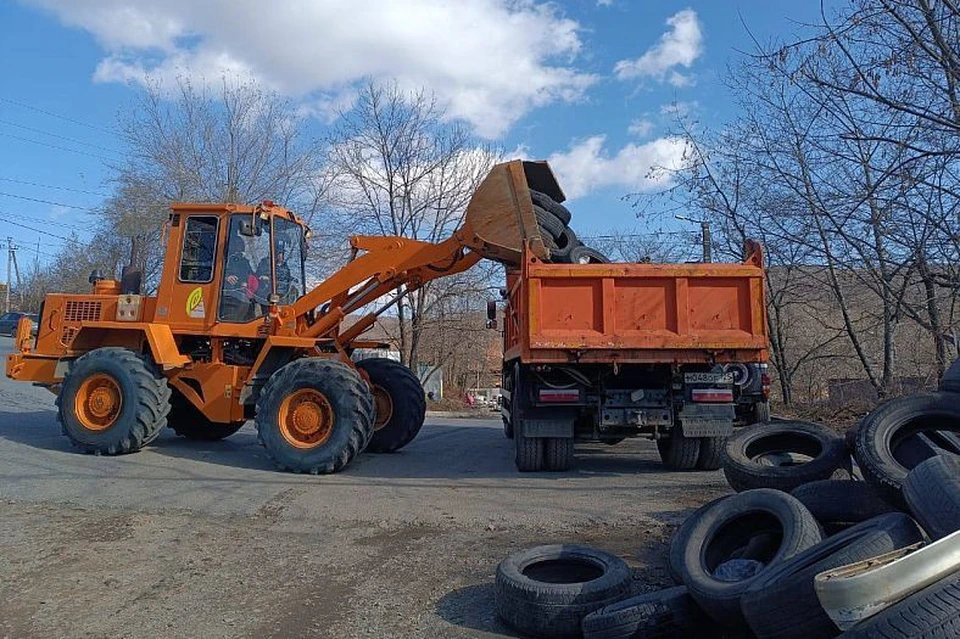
point(603, 352)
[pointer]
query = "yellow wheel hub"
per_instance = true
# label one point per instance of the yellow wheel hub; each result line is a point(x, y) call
point(384, 407)
point(98, 402)
point(306, 418)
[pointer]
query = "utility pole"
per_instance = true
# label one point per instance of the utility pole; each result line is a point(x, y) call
point(706, 236)
point(9, 269)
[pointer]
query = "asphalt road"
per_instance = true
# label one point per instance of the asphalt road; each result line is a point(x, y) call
point(189, 539)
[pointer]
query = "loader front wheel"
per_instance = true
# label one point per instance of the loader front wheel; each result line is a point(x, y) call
point(400, 404)
point(113, 401)
point(314, 416)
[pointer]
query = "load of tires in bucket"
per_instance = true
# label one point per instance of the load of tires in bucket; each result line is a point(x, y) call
point(826, 536)
point(553, 220)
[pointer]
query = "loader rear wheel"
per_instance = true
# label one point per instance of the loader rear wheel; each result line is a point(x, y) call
point(314, 416)
point(399, 401)
point(113, 401)
point(187, 421)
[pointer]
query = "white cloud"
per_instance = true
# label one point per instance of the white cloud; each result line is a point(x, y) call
point(640, 127)
point(679, 109)
point(604, 3)
point(489, 61)
point(680, 46)
point(586, 166)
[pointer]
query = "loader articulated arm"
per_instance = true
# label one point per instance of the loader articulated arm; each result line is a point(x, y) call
point(499, 225)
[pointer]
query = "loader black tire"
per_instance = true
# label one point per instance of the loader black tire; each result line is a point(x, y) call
point(546, 591)
point(837, 503)
point(548, 223)
point(764, 525)
point(710, 456)
point(326, 436)
point(677, 451)
point(664, 614)
point(782, 602)
point(746, 456)
point(397, 390)
point(187, 421)
point(931, 613)
point(932, 492)
point(547, 203)
point(126, 380)
point(892, 423)
point(557, 453)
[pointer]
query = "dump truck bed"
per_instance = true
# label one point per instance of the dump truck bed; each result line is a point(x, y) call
point(636, 313)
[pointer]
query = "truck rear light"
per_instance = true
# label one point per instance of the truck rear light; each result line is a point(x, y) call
point(712, 395)
point(548, 395)
point(765, 384)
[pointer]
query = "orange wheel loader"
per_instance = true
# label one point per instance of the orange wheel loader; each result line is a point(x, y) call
point(233, 331)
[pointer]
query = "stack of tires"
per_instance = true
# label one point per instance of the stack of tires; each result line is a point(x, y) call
point(771, 560)
point(553, 220)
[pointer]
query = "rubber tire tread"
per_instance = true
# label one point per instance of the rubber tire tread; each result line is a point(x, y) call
point(678, 452)
point(878, 428)
point(783, 604)
point(665, 614)
point(719, 599)
point(710, 456)
point(547, 203)
point(593, 255)
point(529, 453)
point(743, 473)
point(409, 404)
point(932, 492)
point(187, 421)
point(341, 385)
point(761, 412)
point(557, 453)
point(931, 613)
point(951, 378)
point(549, 223)
point(542, 609)
point(678, 543)
point(566, 242)
point(841, 501)
point(135, 373)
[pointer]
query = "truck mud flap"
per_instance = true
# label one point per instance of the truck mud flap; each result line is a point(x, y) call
point(698, 420)
point(560, 426)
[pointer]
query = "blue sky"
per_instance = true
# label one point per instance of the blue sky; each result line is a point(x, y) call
point(584, 83)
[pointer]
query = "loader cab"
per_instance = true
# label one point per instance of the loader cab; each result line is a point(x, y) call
point(226, 264)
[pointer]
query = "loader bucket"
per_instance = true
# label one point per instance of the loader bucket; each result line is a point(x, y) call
point(500, 221)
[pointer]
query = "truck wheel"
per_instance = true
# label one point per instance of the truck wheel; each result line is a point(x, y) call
point(187, 421)
point(557, 453)
point(400, 404)
point(678, 452)
point(529, 453)
point(314, 416)
point(761, 412)
point(710, 456)
point(113, 401)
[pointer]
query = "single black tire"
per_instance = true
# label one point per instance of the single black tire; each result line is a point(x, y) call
point(550, 226)
point(837, 503)
point(566, 242)
point(186, 420)
point(747, 455)
point(782, 603)
point(710, 456)
point(546, 202)
point(348, 415)
point(529, 452)
point(397, 390)
point(142, 401)
point(546, 591)
point(764, 525)
point(761, 412)
point(557, 453)
point(585, 255)
point(677, 451)
point(882, 431)
point(932, 492)
point(951, 379)
point(664, 614)
point(931, 613)
point(678, 543)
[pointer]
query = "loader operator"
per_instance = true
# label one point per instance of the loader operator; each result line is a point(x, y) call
point(239, 284)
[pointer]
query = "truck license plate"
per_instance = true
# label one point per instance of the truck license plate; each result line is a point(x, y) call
point(708, 378)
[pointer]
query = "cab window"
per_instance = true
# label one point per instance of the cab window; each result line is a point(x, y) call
point(199, 249)
point(247, 273)
point(289, 254)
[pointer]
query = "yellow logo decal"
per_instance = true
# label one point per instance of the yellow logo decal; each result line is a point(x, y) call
point(195, 303)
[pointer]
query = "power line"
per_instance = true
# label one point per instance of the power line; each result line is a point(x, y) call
point(57, 146)
point(58, 136)
point(60, 117)
point(35, 230)
point(52, 186)
point(52, 203)
point(72, 227)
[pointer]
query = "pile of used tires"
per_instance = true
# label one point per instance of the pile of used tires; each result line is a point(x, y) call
point(553, 220)
point(826, 536)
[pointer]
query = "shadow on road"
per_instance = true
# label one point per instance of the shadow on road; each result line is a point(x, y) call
point(38, 429)
point(472, 608)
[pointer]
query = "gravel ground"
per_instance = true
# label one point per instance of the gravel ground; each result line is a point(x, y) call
point(189, 539)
